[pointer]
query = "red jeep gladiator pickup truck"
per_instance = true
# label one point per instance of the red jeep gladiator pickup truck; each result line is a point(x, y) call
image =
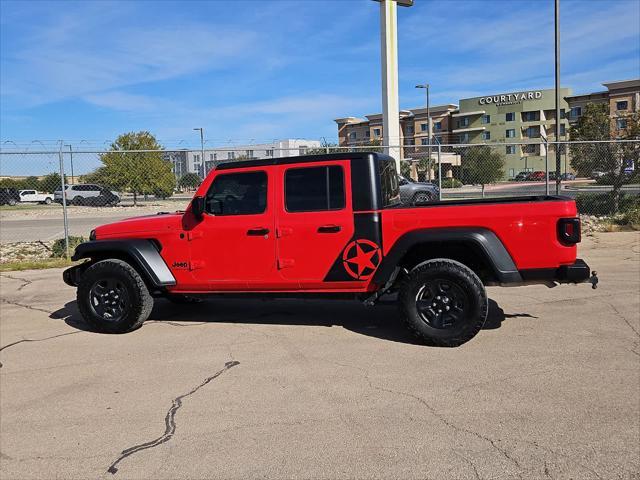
point(328, 225)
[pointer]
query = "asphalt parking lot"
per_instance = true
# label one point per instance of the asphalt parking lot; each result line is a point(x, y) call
point(308, 389)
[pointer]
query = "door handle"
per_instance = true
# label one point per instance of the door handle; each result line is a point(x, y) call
point(329, 229)
point(257, 232)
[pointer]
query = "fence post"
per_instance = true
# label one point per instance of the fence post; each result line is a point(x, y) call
point(439, 173)
point(64, 202)
point(546, 166)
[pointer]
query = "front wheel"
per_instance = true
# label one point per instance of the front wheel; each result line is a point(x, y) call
point(47, 201)
point(443, 302)
point(112, 297)
point(78, 200)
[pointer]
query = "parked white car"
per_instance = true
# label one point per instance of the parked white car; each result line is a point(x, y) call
point(35, 197)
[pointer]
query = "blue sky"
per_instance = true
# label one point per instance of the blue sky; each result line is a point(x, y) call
point(259, 70)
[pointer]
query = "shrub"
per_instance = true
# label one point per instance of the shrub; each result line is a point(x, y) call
point(603, 203)
point(451, 183)
point(58, 248)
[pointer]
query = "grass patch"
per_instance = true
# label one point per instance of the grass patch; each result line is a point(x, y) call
point(35, 264)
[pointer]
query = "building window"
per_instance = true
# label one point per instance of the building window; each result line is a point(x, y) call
point(437, 126)
point(533, 116)
point(576, 112)
point(314, 189)
point(511, 149)
point(622, 105)
point(302, 150)
point(196, 158)
point(563, 129)
point(376, 132)
point(424, 141)
point(438, 138)
point(532, 132)
point(409, 141)
point(231, 155)
point(268, 153)
point(238, 194)
point(486, 135)
point(621, 123)
point(529, 148)
point(486, 119)
point(511, 133)
point(511, 117)
point(352, 136)
point(410, 129)
point(464, 122)
point(249, 153)
point(367, 134)
point(464, 138)
point(423, 127)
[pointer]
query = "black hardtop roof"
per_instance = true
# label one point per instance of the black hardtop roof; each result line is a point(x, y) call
point(301, 159)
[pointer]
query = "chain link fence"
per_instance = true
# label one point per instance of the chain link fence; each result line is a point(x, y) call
point(49, 199)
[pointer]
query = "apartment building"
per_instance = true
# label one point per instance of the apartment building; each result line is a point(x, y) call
point(523, 119)
point(622, 97)
point(354, 131)
point(192, 161)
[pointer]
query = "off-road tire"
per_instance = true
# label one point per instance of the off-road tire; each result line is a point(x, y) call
point(470, 293)
point(139, 302)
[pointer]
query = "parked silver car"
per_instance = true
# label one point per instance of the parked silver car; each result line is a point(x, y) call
point(413, 193)
point(87, 194)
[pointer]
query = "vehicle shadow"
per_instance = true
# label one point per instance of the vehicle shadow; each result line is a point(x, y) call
point(381, 321)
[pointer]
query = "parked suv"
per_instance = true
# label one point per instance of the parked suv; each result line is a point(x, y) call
point(9, 196)
point(87, 194)
point(413, 193)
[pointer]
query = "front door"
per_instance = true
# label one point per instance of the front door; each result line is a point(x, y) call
point(314, 221)
point(233, 246)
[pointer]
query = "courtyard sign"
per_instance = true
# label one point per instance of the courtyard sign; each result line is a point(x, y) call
point(510, 98)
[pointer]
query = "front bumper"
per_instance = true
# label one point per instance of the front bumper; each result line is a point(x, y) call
point(577, 272)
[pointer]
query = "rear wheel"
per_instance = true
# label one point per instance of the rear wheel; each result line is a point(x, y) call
point(443, 302)
point(47, 201)
point(112, 297)
point(78, 200)
point(12, 202)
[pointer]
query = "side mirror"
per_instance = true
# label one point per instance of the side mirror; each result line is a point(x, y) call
point(197, 207)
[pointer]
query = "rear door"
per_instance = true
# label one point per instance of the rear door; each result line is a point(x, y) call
point(314, 219)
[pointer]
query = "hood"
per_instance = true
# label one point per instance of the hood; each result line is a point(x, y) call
point(134, 226)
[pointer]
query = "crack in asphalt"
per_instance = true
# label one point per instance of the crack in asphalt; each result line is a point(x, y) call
point(19, 279)
point(9, 302)
point(24, 340)
point(169, 420)
point(470, 462)
point(621, 316)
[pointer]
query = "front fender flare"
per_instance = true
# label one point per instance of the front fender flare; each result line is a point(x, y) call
point(142, 252)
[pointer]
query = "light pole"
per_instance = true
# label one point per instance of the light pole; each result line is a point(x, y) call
point(71, 159)
point(389, 53)
point(426, 87)
point(201, 148)
point(557, 72)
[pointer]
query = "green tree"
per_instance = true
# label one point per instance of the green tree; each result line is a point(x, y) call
point(482, 165)
point(611, 158)
point(190, 180)
point(135, 164)
point(31, 182)
point(51, 182)
point(325, 147)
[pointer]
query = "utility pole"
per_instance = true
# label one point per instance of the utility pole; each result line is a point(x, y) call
point(389, 52)
point(557, 71)
point(71, 160)
point(429, 132)
point(202, 150)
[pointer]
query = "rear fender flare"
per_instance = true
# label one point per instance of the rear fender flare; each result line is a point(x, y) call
point(483, 239)
point(144, 255)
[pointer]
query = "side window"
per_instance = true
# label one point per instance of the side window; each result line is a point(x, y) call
point(314, 189)
point(238, 194)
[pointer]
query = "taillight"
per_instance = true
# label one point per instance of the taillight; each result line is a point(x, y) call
point(569, 231)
